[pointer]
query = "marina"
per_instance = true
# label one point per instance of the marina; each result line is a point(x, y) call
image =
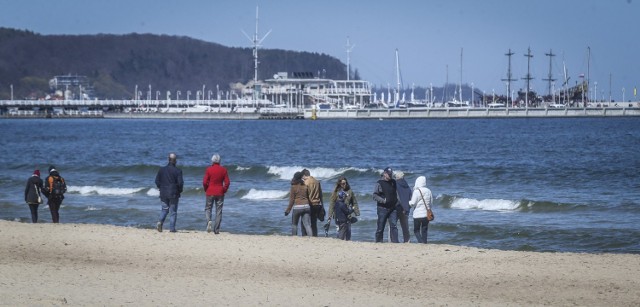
point(252, 110)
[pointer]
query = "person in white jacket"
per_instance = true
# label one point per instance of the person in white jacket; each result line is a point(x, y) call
point(421, 200)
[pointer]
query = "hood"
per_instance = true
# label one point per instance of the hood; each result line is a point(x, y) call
point(421, 182)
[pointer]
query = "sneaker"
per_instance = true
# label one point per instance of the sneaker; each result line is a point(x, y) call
point(209, 226)
point(159, 227)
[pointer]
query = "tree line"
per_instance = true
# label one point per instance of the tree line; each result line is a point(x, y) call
point(115, 64)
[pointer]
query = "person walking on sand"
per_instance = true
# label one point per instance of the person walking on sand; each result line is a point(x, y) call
point(342, 185)
point(170, 183)
point(421, 200)
point(215, 183)
point(54, 189)
point(403, 208)
point(32, 194)
point(386, 197)
point(299, 202)
point(315, 197)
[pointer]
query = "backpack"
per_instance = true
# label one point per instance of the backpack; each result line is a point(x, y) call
point(58, 187)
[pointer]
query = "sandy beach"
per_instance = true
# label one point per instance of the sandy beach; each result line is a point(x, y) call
point(81, 264)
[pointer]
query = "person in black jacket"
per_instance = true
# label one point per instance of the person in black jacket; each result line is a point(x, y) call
point(32, 194)
point(54, 189)
point(170, 183)
point(386, 196)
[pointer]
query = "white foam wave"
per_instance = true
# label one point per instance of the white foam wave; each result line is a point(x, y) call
point(91, 208)
point(254, 194)
point(320, 173)
point(153, 192)
point(98, 190)
point(485, 204)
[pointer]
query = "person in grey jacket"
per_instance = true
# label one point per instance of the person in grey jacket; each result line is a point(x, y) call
point(403, 208)
point(170, 183)
point(33, 194)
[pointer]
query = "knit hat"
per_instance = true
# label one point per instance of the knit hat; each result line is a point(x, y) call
point(389, 171)
point(52, 168)
point(37, 172)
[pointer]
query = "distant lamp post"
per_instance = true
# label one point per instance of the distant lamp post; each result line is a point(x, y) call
point(11, 86)
point(157, 94)
point(178, 95)
point(209, 94)
point(168, 95)
point(623, 94)
point(203, 91)
point(188, 94)
point(149, 93)
point(135, 93)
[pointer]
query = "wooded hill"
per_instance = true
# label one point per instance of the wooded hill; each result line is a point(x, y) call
point(115, 64)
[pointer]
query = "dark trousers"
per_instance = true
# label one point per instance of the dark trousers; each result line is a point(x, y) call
point(404, 224)
point(315, 210)
point(420, 228)
point(344, 231)
point(54, 207)
point(34, 212)
point(384, 215)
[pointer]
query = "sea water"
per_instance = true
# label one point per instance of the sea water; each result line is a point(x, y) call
point(570, 184)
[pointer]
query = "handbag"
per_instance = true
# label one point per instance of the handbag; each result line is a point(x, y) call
point(321, 213)
point(430, 216)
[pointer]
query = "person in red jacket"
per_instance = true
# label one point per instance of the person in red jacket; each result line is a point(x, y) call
point(216, 184)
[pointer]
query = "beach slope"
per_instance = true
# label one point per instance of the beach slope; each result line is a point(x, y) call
point(81, 264)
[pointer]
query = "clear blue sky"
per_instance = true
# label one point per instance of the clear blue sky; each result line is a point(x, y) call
point(429, 34)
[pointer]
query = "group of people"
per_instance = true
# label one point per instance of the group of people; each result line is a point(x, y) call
point(170, 183)
point(394, 200)
point(53, 188)
point(392, 194)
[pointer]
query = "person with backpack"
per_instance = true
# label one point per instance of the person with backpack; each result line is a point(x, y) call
point(54, 190)
point(32, 195)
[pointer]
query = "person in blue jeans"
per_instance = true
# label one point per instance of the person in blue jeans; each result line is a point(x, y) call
point(386, 196)
point(170, 183)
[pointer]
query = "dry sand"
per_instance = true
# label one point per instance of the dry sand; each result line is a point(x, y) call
point(88, 265)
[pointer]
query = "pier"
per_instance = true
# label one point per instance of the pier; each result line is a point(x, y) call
point(260, 109)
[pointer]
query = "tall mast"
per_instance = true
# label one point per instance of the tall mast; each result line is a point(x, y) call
point(398, 73)
point(461, 76)
point(528, 78)
point(550, 75)
point(509, 76)
point(588, 70)
point(256, 43)
point(349, 48)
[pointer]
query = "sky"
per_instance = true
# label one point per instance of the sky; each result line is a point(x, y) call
point(462, 41)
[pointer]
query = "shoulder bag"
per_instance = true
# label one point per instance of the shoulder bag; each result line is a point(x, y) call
point(430, 216)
